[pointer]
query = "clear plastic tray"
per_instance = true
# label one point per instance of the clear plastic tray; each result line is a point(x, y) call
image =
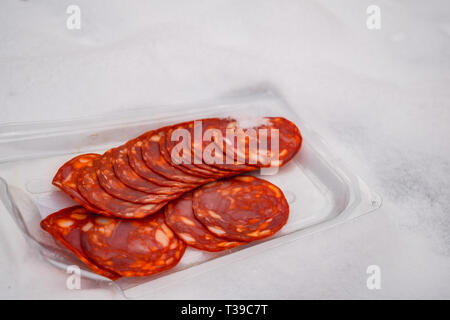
point(320, 190)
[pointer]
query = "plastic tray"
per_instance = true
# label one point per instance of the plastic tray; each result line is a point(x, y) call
point(320, 190)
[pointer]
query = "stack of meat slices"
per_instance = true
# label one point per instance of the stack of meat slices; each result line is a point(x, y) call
point(140, 177)
point(124, 227)
point(218, 216)
point(114, 247)
point(227, 213)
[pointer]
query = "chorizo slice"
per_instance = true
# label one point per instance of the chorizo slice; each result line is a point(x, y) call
point(180, 218)
point(65, 227)
point(116, 188)
point(131, 248)
point(89, 187)
point(210, 146)
point(243, 208)
point(154, 159)
point(187, 169)
point(287, 135)
point(67, 176)
point(210, 152)
point(128, 176)
point(138, 164)
point(196, 161)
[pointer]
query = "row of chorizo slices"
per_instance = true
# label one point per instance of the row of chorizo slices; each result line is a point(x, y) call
point(218, 216)
point(140, 177)
point(140, 208)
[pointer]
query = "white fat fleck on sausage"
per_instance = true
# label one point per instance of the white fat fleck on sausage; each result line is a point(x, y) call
point(161, 237)
point(187, 237)
point(187, 221)
point(78, 216)
point(227, 243)
point(167, 230)
point(265, 232)
point(214, 214)
point(245, 178)
point(103, 220)
point(86, 227)
point(253, 234)
point(216, 230)
point(148, 207)
point(173, 245)
point(155, 138)
point(65, 223)
point(68, 178)
point(283, 153)
point(83, 160)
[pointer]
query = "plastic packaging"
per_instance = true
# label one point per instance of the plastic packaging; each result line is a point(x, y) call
point(320, 190)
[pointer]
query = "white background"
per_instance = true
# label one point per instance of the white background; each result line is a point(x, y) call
point(381, 98)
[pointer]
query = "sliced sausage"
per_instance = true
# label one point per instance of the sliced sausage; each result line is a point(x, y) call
point(289, 142)
point(131, 248)
point(196, 161)
point(116, 188)
point(242, 208)
point(128, 176)
point(89, 187)
point(136, 161)
point(64, 226)
point(153, 158)
point(67, 176)
point(180, 218)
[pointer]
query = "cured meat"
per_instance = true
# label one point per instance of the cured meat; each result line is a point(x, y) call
point(153, 158)
point(188, 164)
point(242, 208)
point(195, 160)
point(180, 218)
point(228, 161)
point(288, 137)
point(132, 248)
point(209, 153)
point(116, 188)
point(128, 176)
point(136, 161)
point(90, 189)
point(67, 176)
point(64, 226)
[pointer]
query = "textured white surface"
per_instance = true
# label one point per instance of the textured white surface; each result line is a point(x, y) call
point(380, 98)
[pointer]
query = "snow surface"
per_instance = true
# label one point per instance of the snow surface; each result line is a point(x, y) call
point(381, 98)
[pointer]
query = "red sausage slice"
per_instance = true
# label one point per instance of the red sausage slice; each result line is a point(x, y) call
point(153, 158)
point(197, 163)
point(228, 162)
point(128, 176)
point(180, 218)
point(131, 248)
point(64, 226)
point(67, 176)
point(289, 142)
point(90, 189)
point(188, 167)
point(242, 208)
point(116, 188)
point(139, 166)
